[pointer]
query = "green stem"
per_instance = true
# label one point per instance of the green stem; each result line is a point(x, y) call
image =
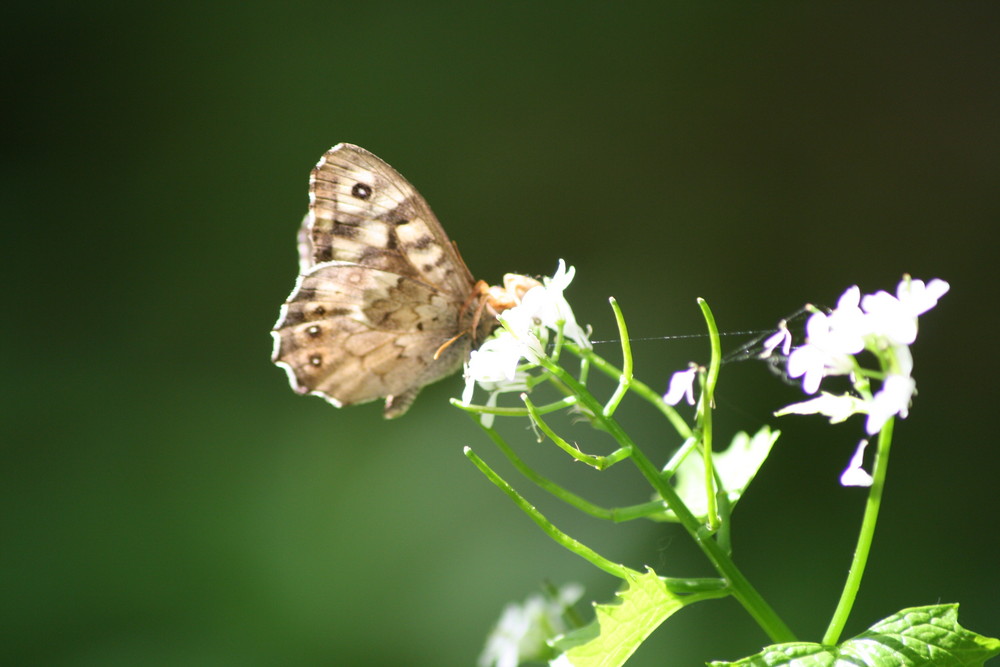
point(708, 380)
point(705, 421)
point(545, 483)
point(637, 386)
point(625, 378)
point(560, 537)
point(677, 459)
point(742, 589)
point(598, 462)
point(716, 347)
point(476, 409)
point(867, 533)
point(616, 514)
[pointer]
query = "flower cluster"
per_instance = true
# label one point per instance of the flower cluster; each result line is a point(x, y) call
point(880, 323)
point(496, 366)
point(523, 632)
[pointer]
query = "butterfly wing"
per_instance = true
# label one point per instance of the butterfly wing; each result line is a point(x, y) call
point(381, 289)
point(353, 334)
point(362, 210)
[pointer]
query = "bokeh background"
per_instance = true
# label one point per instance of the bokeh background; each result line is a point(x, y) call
point(166, 500)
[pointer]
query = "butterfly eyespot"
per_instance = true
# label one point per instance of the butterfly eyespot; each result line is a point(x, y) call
point(315, 331)
point(315, 360)
point(319, 311)
point(422, 243)
point(361, 191)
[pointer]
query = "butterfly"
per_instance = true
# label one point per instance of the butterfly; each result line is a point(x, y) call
point(383, 304)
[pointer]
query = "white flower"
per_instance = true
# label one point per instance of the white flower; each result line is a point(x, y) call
point(894, 318)
point(782, 337)
point(847, 320)
point(681, 386)
point(854, 474)
point(889, 319)
point(827, 351)
point(891, 400)
point(808, 362)
point(831, 343)
point(884, 324)
point(495, 362)
point(523, 631)
point(879, 322)
point(525, 330)
point(903, 364)
point(918, 297)
point(546, 306)
point(494, 368)
point(837, 407)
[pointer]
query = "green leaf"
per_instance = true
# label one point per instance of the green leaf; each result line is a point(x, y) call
point(736, 467)
point(620, 628)
point(918, 636)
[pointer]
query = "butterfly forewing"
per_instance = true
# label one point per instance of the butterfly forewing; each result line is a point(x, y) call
point(364, 211)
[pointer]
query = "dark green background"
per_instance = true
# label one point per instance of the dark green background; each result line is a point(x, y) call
point(166, 500)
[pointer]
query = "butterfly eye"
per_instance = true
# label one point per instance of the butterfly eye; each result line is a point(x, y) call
point(361, 191)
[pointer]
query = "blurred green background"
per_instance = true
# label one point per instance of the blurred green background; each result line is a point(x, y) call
point(167, 500)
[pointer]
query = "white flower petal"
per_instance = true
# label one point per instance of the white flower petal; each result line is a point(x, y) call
point(494, 368)
point(920, 298)
point(487, 418)
point(469, 390)
point(854, 474)
point(832, 340)
point(904, 359)
point(545, 306)
point(809, 363)
point(681, 386)
point(891, 400)
point(888, 318)
point(836, 408)
point(782, 337)
point(496, 360)
point(894, 318)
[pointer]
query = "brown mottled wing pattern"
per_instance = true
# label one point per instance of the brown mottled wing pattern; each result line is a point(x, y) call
point(380, 290)
point(362, 210)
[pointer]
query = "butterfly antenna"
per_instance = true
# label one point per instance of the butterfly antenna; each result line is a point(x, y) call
point(445, 345)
